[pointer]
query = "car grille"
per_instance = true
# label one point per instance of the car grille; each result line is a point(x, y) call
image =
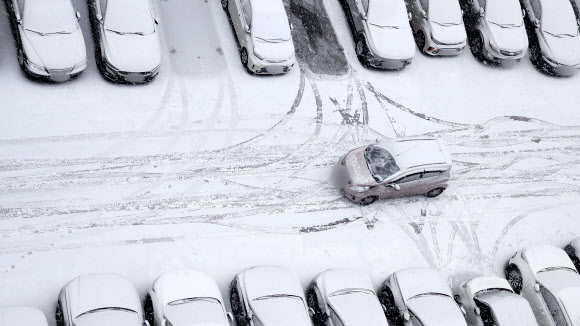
point(510, 53)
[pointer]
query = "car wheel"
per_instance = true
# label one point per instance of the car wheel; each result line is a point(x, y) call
point(477, 46)
point(360, 49)
point(148, 310)
point(572, 254)
point(368, 200)
point(244, 57)
point(237, 308)
point(435, 192)
point(58, 316)
point(225, 4)
point(20, 58)
point(514, 277)
point(420, 40)
point(312, 302)
point(534, 54)
point(391, 311)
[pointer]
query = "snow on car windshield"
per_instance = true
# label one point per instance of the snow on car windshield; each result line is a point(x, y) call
point(388, 13)
point(195, 312)
point(269, 21)
point(272, 310)
point(129, 17)
point(381, 163)
point(558, 18)
point(49, 17)
point(504, 12)
point(445, 12)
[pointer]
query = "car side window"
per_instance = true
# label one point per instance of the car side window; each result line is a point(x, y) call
point(256, 321)
point(482, 3)
point(431, 174)
point(485, 314)
point(425, 5)
point(247, 11)
point(365, 5)
point(554, 307)
point(335, 320)
point(409, 178)
point(20, 4)
point(537, 8)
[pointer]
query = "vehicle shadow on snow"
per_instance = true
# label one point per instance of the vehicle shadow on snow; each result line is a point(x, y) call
point(318, 49)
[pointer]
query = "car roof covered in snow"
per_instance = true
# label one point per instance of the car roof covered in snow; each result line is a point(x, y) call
point(488, 282)
point(262, 281)
point(95, 291)
point(420, 280)
point(415, 152)
point(26, 316)
point(186, 284)
point(342, 279)
point(541, 257)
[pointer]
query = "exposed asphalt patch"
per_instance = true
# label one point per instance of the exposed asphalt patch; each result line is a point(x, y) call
point(319, 50)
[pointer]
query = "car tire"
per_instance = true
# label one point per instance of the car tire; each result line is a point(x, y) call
point(148, 310)
point(572, 254)
point(244, 58)
point(391, 311)
point(58, 315)
point(224, 5)
point(360, 49)
point(368, 200)
point(20, 55)
point(237, 308)
point(514, 278)
point(420, 40)
point(435, 192)
point(312, 301)
point(535, 54)
point(477, 46)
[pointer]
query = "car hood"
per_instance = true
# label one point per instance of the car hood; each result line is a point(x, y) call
point(55, 51)
point(131, 52)
point(357, 168)
point(281, 312)
point(382, 40)
point(451, 34)
point(280, 51)
point(566, 50)
point(436, 310)
point(510, 39)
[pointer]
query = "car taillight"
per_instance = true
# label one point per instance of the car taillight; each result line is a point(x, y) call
point(430, 49)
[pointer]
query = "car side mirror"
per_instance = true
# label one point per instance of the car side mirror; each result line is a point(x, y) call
point(99, 18)
point(481, 12)
point(19, 21)
point(384, 307)
point(410, 15)
point(523, 13)
point(394, 186)
point(146, 323)
point(536, 23)
point(363, 15)
point(311, 312)
point(291, 26)
point(477, 311)
point(157, 20)
point(423, 13)
point(457, 299)
point(406, 316)
point(78, 14)
point(230, 316)
point(537, 287)
point(247, 29)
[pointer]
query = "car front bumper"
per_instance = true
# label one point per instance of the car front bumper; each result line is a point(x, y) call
point(54, 75)
point(116, 75)
point(503, 56)
point(434, 48)
point(557, 68)
point(265, 67)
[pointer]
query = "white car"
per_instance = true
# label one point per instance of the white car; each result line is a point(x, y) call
point(99, 299)
point(48, 37)
point(547, 278)
point(263, 34)
point(491, 301)
point(22, 316)
point(344, 297)
point(127, 39)
point(268, 295)
point(185, 298)
point(438, 26)
point(420, 296)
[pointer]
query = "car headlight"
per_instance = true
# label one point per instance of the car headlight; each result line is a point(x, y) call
point(359, 188)
point(34, 65)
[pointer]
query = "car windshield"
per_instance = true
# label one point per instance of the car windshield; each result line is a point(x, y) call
point(129, 17)
point(428, 294)
point(107, 316)
point(445, 12)
point(274, 308)
point(380, 162)
point(49, 17)
point(505, 13)
point(198, 311)
point(489, 291)
point(388, 13)
point(558, 18)
point(270, 25)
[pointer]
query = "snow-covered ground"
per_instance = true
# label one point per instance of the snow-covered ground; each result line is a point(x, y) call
point(210, 168)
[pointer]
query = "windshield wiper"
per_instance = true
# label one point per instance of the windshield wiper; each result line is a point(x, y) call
point(561, 35)
point(126, 33)
point(275, 40)
point(273, 296)
point(108, 308)
point(506, 25)
point(386, 26)
point(446, 24)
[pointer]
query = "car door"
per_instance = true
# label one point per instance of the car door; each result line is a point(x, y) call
point(429, 181)
point(408, 184)
point(245, 22)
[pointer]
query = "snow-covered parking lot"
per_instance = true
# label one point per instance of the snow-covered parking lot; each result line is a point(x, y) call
point(211, 168)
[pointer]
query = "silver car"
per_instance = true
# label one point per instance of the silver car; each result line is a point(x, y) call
point(553, 35)
point(547, 278)
point(99, 299)
point(263, 33)
point(496, 30)
point(394, 168)
point(48, 37)
point(126, 39)
point(438, 26)
point(344, 297)
point(268, 295)
point(490, 300)
point(420, 296)
point(22, 316)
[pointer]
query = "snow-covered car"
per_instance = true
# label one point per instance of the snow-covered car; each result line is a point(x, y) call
point(394, 168)
point(496, 30)
point(381, 32)
point(547, 278)
point(126, 39)
point(48, 37)
point(22, 316)
point(263, 34)
point(438, 26)
point(344, 297)
point(553, 36)
point(573, 251)
point(419, 296)
point(99, 299)
point(490, 301)
point(268, 295)
point(185, 298)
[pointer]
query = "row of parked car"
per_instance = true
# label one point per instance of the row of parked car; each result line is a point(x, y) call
point(51, 45)
point(542, 289)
